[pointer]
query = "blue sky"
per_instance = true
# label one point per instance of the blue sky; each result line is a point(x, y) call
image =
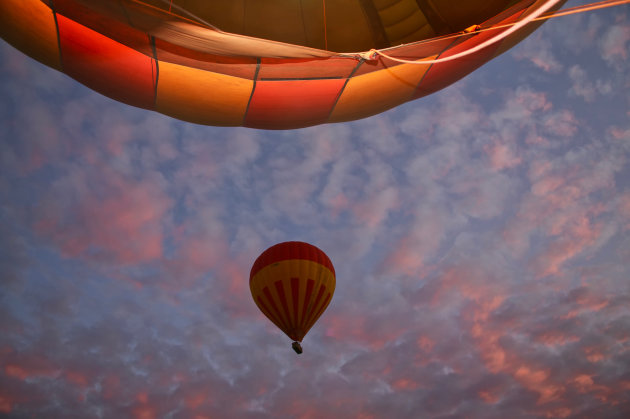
point(480, 238)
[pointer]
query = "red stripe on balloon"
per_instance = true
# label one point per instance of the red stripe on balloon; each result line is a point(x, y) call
point(311, 313)
point(322, 308)
point(288, 251)
point(295, 292)
point(307, 300)
point(446, 73)
point(268, 313)
point(288, 104)
point(104, 65)
point(275, 307)
point(285, 306)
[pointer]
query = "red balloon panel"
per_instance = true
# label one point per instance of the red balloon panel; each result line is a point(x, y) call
point(291, 104)
point(115, 70)
point(446, 73)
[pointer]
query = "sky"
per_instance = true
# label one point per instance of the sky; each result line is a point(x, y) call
point(480, 236)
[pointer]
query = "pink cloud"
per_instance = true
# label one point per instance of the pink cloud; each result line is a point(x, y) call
point(538, 50)
point(373, 211)
point(538, 380)
point(123, 222)
point(484, 299)
point(425, 343)
point(595, 354)
point(532, 101)
point(77, 378)
point(24, 368)
point(490, 397)
point(613, 45)
point(562, 123)
point(624, 210)
point(586, 88)
point(560, 412)
point(492, 353)
point(561, 213)
point(420, 242)
point(44, 143)
point(374, 331)
point(196, 399)
point(585, 384)
point(547, 184)
point(6, 404)
point(556, 338)
point(405, 384)
point(202, 250)
point(576, 237)
point(144, 412)
point(28, 366)
point(337, 204)
point(499, 360)
point(521, 111)
point(142, 397)
point(111, 386)
point(404, 258)
point(482, 193)
point(502, 156)
point(620, 133)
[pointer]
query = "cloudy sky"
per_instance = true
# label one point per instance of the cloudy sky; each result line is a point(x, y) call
point(481, 239)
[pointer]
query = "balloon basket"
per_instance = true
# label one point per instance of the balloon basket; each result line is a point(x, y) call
point(297, 347)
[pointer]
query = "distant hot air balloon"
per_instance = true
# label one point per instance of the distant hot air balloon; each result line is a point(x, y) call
point(273, 64)
point(292, 283)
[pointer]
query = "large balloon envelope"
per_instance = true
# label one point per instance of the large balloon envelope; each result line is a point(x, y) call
point(274, 64)
point(292, 283)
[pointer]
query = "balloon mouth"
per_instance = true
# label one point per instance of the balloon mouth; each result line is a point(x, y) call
point(297, 347)
point(345, 27)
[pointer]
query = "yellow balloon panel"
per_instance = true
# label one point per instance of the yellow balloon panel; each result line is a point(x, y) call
point(372, 93)
point(30, 27)
point(293, 294)
point(202, 97)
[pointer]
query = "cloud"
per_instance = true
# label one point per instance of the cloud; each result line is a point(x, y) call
point(502, 156)
point(613, 44)
point(538, 50)
point(584, 87)
point(120, 221)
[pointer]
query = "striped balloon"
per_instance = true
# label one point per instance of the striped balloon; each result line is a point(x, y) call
point(292, 283)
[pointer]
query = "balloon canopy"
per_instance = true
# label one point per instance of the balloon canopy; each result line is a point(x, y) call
point(274, 64)
point(292, 283)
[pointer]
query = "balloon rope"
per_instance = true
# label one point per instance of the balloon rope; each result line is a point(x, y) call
point(535, 16)
point(584, 8)
point(170, 6)
point(564, 12)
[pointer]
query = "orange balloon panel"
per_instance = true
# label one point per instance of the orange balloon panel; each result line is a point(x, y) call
point(30, 27)
point(292, 283)
point(246, 66)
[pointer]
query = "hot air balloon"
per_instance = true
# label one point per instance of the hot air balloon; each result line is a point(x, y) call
point(292, 283)
point(273, 64)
